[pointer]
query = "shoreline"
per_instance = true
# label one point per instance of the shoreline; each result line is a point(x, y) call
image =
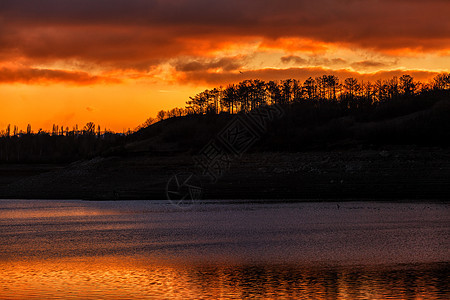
point(395, 174)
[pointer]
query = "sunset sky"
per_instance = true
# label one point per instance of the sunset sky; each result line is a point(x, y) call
point(118, 62)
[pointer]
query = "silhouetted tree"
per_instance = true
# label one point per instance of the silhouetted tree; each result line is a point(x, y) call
point(296, 91)
point(161, 115)
point(393, 88)
point(310, 88)
point(89, 128)
point(351, 87)
point(286, 90)
point(274, 92)
point(407, 85)
point(441, 81)
point(229, 98)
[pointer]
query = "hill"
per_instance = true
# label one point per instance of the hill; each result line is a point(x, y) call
point(315, 150)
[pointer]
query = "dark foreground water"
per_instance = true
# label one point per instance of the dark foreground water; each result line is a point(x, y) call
point(222, 250)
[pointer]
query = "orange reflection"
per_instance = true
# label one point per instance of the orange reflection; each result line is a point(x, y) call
point(128, 278)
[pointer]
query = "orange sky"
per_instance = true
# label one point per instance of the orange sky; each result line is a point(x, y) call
point(118, 62)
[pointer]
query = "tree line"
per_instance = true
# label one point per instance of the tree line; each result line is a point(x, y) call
point(351, 93)
point(325, 111)
point(89, 129)
point(58, 145)
point(325, 97)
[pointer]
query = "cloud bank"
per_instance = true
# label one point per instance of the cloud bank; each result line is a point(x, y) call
point(192, 35)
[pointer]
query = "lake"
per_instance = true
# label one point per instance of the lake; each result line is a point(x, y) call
point(224, 249)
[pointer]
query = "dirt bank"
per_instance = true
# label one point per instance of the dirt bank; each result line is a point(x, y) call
point(388, 173)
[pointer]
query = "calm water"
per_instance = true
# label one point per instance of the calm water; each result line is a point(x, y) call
point(221, 250)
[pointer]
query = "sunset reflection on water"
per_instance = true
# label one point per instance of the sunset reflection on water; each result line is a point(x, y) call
point(144, 250)
point(128, 278)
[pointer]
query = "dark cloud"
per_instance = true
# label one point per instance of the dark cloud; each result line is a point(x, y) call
point(338, 61)
point(128, 31)
point(294, 59)
point(226, 64)
point(366, 64)
point(314, 60)
point(141, 34)
point(31, 75)
point(123, 48)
